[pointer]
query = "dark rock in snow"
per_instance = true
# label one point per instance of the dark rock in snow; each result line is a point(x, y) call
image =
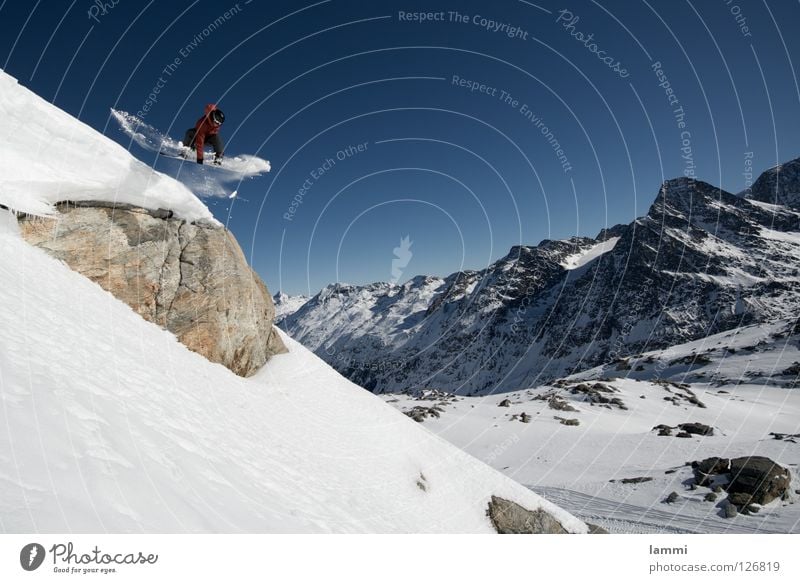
point(713, 465)
point(559, 404)
point(419, 413)
point(758, 477)
point(705, 470)
point(696, 428)
point(638, 480)
point(785, 436)
point(729, 510)
point(793, 370)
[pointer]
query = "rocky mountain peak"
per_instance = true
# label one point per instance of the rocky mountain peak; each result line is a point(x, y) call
point(681, 195)
point(610, 232)
point(779, 185)
point(334, 289)
point(682, 185)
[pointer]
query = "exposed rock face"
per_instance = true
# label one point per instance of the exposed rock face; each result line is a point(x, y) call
point(510, 518)
point(191, 279)
point(779, 185)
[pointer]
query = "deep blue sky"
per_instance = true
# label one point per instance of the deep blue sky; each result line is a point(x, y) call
point(464, 174)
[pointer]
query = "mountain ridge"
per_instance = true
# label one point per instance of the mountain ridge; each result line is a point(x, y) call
point(700, 261)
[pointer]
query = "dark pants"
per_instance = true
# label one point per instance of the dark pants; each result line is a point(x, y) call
point(214, 140)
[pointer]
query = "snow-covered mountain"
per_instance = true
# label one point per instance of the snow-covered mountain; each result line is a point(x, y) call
point(286, 304)
point(701, 261)
point(109, 424)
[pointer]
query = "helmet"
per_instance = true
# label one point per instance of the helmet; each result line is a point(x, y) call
point(218, 117)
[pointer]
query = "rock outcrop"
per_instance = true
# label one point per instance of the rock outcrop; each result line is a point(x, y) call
point(510, 518)
point(190, 278)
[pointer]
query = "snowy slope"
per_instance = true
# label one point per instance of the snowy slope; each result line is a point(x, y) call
point(109, 424)
point(48, 156)
point(743, 380)
point(585, 256)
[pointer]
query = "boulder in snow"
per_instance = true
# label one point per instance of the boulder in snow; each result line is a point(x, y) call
point(696, 428)
point(759, 478)
point(510, 518)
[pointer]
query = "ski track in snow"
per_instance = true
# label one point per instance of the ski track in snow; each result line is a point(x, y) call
point(622, 517)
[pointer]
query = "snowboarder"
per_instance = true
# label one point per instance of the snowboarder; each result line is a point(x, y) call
point(207, 130)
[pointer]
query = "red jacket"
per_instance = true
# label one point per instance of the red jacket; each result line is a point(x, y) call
point(204, 127)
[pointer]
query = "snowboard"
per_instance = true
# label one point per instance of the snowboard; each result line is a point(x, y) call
point(247, 165)
point(153, 140)
point(189, 155)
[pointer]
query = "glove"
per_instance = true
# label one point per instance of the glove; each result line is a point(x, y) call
point(199, 160)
